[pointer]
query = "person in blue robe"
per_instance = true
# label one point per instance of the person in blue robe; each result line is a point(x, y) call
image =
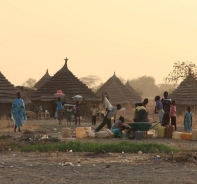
point(18, 112)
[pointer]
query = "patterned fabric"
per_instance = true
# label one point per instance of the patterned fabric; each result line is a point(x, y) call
point(18, 112)
point(188, 122)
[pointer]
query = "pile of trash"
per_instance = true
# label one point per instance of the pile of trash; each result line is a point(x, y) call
point(38, 138)
point(31, 115)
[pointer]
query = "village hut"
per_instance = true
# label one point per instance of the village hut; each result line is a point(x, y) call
point(186, 94)
point(43, 80)
point(118, 92)
point(136, 96)
point(70, 85)
point(7, 95)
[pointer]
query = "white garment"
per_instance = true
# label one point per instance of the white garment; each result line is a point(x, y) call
point(107, 104)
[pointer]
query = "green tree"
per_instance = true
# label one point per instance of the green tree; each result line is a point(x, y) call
point(181, 71)
point(29, 83)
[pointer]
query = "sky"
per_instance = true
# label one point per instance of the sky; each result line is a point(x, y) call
point(132, 38)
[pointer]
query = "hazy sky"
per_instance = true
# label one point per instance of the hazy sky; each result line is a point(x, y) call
point(132, 38)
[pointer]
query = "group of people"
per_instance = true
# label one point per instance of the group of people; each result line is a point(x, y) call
point(166, 110)
point(69, 112)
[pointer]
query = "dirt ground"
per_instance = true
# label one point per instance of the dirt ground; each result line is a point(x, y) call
point(100, 167)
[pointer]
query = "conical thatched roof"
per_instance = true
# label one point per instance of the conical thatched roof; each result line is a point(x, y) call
point(67, 82)
point(132, 90)
point(186, 92)
point(43, 80)
point(7, 90)
point(117, 91)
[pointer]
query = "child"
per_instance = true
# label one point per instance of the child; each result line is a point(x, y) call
point(188, 120)
point(173, 114)
point(93, 114)
point(69, 111)
point(159, 108)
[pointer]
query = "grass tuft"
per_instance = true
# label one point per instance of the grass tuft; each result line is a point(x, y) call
point(118, 147)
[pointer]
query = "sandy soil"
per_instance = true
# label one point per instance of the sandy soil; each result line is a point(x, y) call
point(70, 167)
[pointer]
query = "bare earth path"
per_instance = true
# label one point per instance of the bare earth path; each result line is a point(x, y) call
point(105, 168)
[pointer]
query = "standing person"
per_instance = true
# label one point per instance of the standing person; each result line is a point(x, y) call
point(18, 112)
point(110, 112)
point(188, 120)
point(59, 110)
point(36, 110)
point(173, 114)
point(77, 112)
point(93, 114)
point(166, 107)
point(159, 109)
point(69, 111)
point(145, 102)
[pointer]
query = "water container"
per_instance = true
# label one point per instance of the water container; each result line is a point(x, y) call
point(66, 132)
point(186, 136)
point(111, 134)
point(88, 128)
point(168, 131)
point(80, 133)
point(151, 133)
point(102, 134)
point(90, 133)
point(176, 135)
point(138, 135)
point(161, 131)
point(194, 134)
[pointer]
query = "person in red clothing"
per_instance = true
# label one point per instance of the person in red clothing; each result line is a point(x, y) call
point(173, 114)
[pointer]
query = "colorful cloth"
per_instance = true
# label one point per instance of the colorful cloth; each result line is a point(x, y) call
point(69, 114)
point(59, 105)
point(117, 124)
point(188, 122)
point(172, 110)
point(18, 112)
point(159, 105)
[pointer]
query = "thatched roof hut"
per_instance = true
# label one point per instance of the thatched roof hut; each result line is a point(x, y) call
point(136, 96)
point(43, 80)
point(66, 81)
point(118, 92)
point(186, 92)
point(7, 90)
point(7, 95)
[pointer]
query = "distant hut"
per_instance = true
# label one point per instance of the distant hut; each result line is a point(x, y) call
point(118, 92)
point(43, 80)
point(136, 96)
point(7, 95)
point(70, 85)
point(186, 93)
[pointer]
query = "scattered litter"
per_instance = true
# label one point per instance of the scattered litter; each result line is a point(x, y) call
point(157, 157)
point(122, 151)
point(71, 151)
point(76, 171)
point(44, 137)
point(139, 152)
point(66, 164)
